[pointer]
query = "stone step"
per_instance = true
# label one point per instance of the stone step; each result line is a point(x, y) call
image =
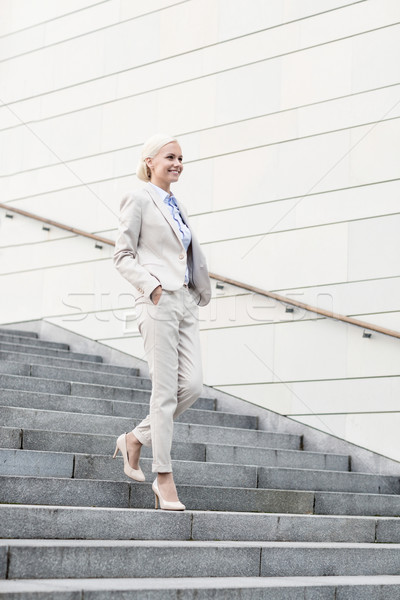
point(55, 373)
point(63, 401)
point(331, 481)
point(134, 410)
point(86, 365)
point(29, 399)
point(58, 441)
point(247, 455)
point(28, 341)
point(127, 494)
point(101, 467)
point(63, 522)
point(183, 432)
point(168, 558)
point(19, 332)
point(33, 439)
point(119, 494)
point(89, 466)
point(28, 349)
point(87, 390)
point(379, 587)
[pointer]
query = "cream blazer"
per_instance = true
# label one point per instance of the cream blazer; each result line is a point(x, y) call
point(149, 250)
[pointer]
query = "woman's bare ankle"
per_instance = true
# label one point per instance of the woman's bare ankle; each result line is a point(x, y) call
point(132, 439)
point(164, 477)
point(167, 487)
point(133, 447)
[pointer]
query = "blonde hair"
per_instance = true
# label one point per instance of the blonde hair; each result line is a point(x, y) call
point(150, 148)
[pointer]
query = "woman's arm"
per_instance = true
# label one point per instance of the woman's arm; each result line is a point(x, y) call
point(125, 255)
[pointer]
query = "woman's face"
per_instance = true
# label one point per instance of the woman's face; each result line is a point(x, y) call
point(166, 166)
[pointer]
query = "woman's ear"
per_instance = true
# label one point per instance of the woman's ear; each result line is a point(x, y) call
point(148, 162)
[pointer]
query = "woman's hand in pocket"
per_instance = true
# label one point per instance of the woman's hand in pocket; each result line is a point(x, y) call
point(156, 294)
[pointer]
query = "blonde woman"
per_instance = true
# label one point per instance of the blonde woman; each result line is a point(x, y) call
point(158, 253)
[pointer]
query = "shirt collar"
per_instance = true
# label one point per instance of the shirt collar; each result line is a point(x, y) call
point(163, 194)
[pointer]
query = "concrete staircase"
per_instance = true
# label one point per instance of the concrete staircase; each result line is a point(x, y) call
point(265, 519)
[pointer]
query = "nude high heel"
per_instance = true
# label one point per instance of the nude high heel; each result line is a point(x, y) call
point(136, 474)
point(164, 505)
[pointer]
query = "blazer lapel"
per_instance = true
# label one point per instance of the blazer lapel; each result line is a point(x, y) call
point(155, 196)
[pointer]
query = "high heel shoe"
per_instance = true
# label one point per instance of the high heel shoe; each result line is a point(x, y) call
point(164, 505)
point(136, 474)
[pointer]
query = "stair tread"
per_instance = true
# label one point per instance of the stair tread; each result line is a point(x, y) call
point(30, 341)
point(30, 358)
point(51, 351)
point(209, 463)
point(211, 444)
point(35, 397)
point(161, 558)
point(135, 380)
point(119, 403)
point(189, 583)
point(193, 512)
point(108, 417)
point(64, 522)
point(19, 332)
point(224, 489)
point(45, 543)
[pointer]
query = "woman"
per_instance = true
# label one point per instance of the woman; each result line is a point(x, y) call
point(158, 253)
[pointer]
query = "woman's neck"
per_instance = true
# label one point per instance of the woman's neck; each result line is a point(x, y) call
point(163, 186)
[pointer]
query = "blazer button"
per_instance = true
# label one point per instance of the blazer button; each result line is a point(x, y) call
point(181, 256)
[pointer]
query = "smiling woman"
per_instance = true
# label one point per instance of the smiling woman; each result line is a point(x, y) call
point(166, 166)
point(158, 253)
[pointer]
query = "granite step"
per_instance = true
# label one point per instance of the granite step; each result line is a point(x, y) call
point(311, 479)
point(24, 559)
point(88, 390)
point(43, 351)
point(19, 332)
point(133, 410)
point(380, 587)
point(64, 522)
point(127, 494)
point(56, 373)
point(105, 468)
point(100, 467)
point(33, 439)
point(247, 455)
point(58, 441)
point(85, 365)
point(23, 398)
point(29, 341)
point(183, 432)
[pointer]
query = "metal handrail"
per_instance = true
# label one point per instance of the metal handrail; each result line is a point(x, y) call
point(57, 224)
point(245, 286)
point(314, 309)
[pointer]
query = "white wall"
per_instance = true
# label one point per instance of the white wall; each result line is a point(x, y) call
point(288, 115)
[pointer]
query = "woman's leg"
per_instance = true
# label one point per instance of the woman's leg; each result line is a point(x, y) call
point(190, 374)
point(159, 327)
point(172, 346)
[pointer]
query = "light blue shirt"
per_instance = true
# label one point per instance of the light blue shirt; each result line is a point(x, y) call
point(170, 201)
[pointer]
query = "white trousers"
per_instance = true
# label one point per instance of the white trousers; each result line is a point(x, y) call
point(170, 333)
